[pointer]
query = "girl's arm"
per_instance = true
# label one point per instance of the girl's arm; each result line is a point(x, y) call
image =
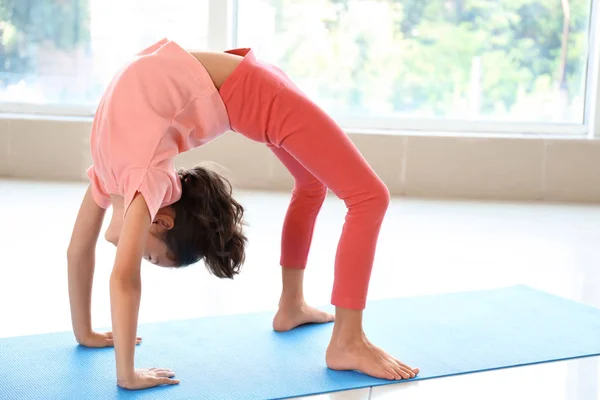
point(125, 293)
point(80, 259)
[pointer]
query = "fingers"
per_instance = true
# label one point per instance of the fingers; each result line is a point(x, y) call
point(109, 335)
point(159, 376)
point(163, 376)
point(167, 381)
point(161, 370)
point(111, 342)
point(164, 373)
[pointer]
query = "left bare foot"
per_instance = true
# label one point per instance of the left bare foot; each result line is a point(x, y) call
point(290, 316)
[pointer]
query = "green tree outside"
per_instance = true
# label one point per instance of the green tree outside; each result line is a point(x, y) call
point(27, 24)
point(515, 60)
point(454, 59)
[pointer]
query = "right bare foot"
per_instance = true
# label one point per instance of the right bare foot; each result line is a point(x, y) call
point(362, 356)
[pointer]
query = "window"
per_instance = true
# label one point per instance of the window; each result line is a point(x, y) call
point(60, 54)
point(434, 65)
point(490, 61)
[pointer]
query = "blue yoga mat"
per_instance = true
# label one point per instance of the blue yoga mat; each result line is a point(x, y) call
point(240, 357)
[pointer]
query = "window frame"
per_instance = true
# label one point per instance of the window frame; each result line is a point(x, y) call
point(589, 128)
point(55, 110)
point(592, 100)
point(222, 34)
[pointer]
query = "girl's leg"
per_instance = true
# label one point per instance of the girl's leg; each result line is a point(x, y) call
point(307, 198)
point(321, 147)
point(318, 144)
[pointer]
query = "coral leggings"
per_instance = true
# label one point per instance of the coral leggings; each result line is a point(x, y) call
point(265, 106)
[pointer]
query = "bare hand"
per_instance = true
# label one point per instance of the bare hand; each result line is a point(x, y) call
point(95, 339)
point(149, 377)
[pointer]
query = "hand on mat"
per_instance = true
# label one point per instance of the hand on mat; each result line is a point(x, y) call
point(95, 339)
point(149, 377)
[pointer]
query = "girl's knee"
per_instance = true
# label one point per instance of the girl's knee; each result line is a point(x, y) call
point(374, 196)
point(381, 197)
point(313, 190)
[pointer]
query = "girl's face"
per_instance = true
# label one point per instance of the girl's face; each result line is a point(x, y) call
point(156, 251)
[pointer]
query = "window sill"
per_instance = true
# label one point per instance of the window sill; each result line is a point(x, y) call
point(578, 134)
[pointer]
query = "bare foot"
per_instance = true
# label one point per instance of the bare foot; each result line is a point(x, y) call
point(290, 316)
point(362, 356)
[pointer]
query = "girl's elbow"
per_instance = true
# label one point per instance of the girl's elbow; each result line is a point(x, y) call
point(75, 253)
point(126, 280)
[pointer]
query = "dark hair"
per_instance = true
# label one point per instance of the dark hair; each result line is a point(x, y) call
point(208, 223)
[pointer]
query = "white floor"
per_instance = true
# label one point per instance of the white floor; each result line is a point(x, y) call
point(425, 247)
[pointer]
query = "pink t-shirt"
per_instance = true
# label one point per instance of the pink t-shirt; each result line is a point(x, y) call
point(162, 103)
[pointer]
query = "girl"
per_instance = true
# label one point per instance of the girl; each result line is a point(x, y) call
point(166, 101)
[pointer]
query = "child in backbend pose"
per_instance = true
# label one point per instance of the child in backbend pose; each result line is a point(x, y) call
point(166, 101)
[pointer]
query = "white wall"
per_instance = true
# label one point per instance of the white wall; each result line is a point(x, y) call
point(511, 168)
